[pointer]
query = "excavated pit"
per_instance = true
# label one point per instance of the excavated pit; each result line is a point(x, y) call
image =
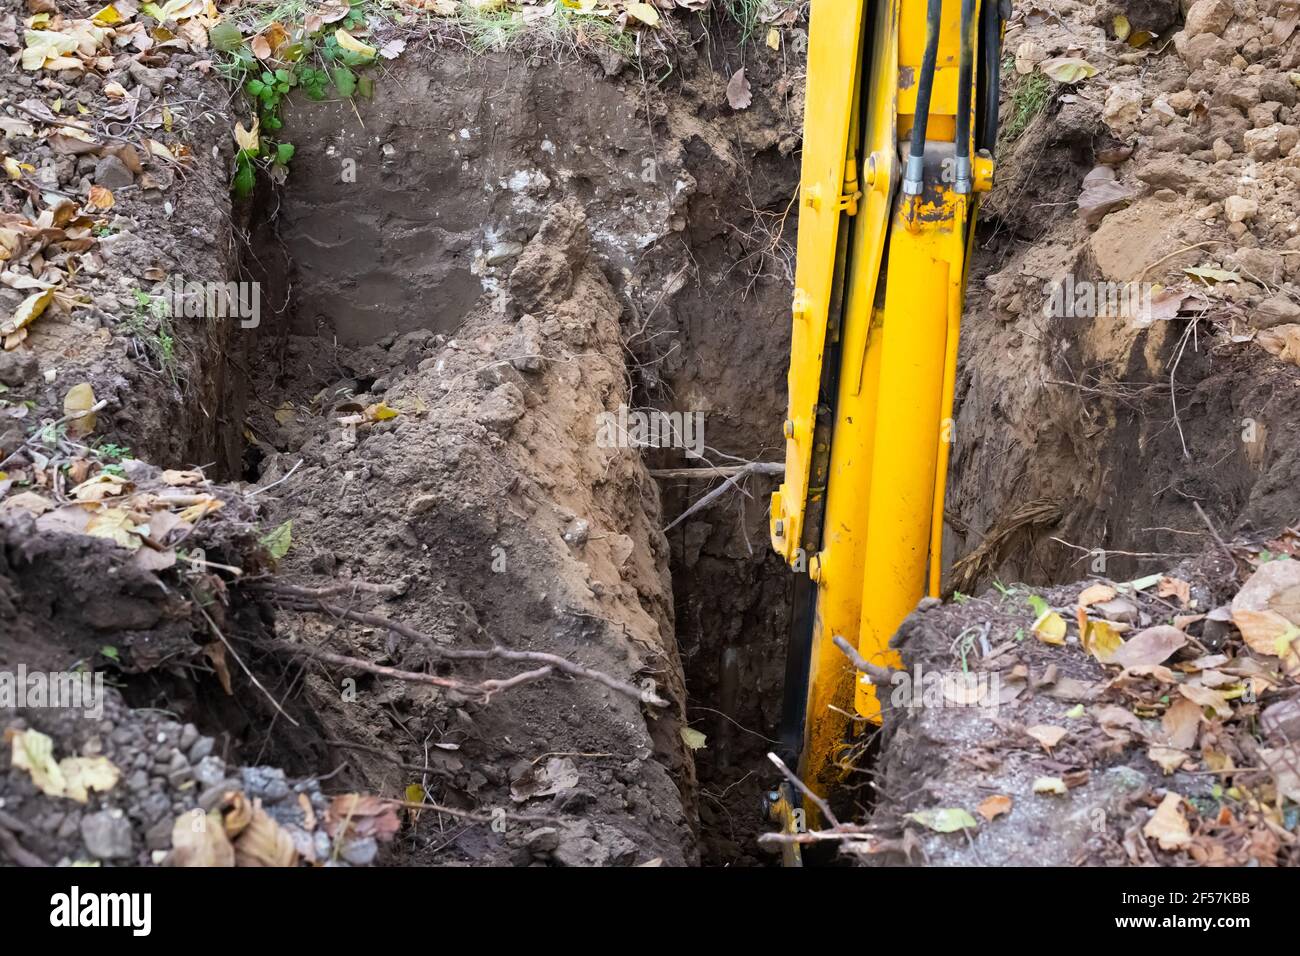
point(504, 252)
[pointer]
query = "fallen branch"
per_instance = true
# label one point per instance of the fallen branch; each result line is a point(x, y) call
point(496, 652)
point(740, 471)
point(880, 676)
point(483, 689)
point(807, 791)
point(721, 471)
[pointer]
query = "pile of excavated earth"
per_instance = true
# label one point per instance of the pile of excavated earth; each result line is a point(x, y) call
point(351, 574)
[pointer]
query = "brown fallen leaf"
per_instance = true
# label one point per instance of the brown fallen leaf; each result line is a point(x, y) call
point(1167, 759)
point(216, 653)
point(1152, 646)
point(199, 839)
point(1168, 826)
point(738, 93)
point(991, 808)
point(1181, 723)
point(1175, 587)
point(1047, 735)
point(1095, 593)
point(264, 842)
point(1205, 697)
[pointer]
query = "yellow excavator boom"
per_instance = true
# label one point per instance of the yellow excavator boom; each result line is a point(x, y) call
point(898, 132)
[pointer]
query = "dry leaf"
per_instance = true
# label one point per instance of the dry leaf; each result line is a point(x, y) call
point(1050, 785)
point(264, 843)
point(1050, 628)
point(1182, 723)
point(199, 839)
point(1205, 697)
point(1047, 735)
point(1067, 69)
point(1168, 826)
point(991, 808)
point(80, 399)
point(1095, 594)
point(1152, 646)
point(738, 93)
point(1175, 587)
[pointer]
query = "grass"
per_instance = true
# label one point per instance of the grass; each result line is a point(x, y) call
point(1031, 94)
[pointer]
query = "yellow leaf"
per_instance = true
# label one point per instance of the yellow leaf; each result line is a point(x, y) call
point(33, 751)
point(248, 138)
point(116, 525)
point(1068, 69)
point(45, 45)
point(1122, 27)
point(1050, 628)
point(644, 12)
point(1140, 38)
point(1102, 640)
point(1265, 632)
point(100, 198)
point(693, 738)
point(205, 507)
point(200, 839)
point(1095, 594)
point(107, 16)
point(28, 311)
point(1053, 785)
point(774, 38)
point(348, 42)
point(379, 412)
point(83, 774)
point(993, 807)
point(179, 10)
point(80, 398)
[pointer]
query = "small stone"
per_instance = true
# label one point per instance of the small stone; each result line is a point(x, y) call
point(111, 173)
point(189, 734)
point(1240, 209)
point(1278, 310)
point(361, 852)
point(202, 748)
point(1208, 16)
point(17, 367)
point(107, 835)
point(542, 841)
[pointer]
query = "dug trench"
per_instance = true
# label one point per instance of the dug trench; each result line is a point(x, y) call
point(510, 281)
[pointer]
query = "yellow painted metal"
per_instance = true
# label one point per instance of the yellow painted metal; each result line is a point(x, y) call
point(834, 37)
point(903, 278)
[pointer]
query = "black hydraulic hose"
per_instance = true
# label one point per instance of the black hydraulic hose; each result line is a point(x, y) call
point(965, 88)
point(914, 176)
point(991, 17)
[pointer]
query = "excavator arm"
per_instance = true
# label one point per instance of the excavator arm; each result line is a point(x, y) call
point(900, 117)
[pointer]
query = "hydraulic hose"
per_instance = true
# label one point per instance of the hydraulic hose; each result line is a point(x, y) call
point(965, 91)
point(913, 177)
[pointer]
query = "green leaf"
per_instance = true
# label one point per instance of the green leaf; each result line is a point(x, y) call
point(1038, 604)
point(944, 819)
point(284, 153)
point(282, 75)
point(693, 738)
point(255, 87)
point(345, 81)
point(110, 652)
point(278, 542)
point(244, 178)
point(365, 87)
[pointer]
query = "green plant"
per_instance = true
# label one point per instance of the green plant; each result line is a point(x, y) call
point(150, 324)
point(313, 62)
point(1031, 94)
